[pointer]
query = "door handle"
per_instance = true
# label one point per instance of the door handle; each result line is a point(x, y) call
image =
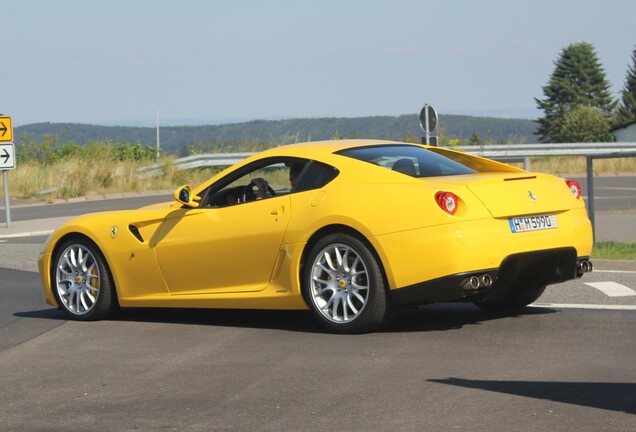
point(278, 211)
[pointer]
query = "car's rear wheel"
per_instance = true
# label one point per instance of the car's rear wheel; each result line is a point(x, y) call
point(514, 299)
point(344, 286)
point(81, 282)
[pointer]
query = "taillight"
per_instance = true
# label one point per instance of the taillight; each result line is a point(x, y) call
point(575, 188)
point(447, 201)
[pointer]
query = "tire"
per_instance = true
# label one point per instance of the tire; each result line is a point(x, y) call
point(513, 300)
point(344, 286)
point(81, 281)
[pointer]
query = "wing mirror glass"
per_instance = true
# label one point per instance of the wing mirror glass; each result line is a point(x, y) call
point(184, 196)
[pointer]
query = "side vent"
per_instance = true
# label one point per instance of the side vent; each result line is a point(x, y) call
point(135, 231)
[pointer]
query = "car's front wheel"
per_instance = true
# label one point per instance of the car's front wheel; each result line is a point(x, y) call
point(81, 283)
point(344, 286)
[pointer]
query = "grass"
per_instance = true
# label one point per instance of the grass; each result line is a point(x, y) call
point(614, 251)
point(76, 177)
point(569, 165)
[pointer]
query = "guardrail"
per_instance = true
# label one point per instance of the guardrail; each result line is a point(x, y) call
point(501, 152)
point(196, 161)
point(519, 152)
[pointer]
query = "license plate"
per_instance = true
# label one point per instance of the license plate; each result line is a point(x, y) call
point(533, 223)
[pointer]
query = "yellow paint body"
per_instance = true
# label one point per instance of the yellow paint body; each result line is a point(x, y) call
point(250, 255)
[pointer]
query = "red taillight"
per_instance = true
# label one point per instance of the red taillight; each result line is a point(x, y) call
point(447, 201)
point(575, 188)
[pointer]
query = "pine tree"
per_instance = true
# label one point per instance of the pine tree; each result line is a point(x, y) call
point(474, 139)
point(627, 109)
point(578, 80)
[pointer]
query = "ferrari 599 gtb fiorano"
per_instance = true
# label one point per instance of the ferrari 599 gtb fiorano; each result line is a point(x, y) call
point(349, 229)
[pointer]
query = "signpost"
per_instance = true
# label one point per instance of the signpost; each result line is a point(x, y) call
point(428, 123)
point(7, 159)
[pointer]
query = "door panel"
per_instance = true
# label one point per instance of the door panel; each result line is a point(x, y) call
point(229, 249)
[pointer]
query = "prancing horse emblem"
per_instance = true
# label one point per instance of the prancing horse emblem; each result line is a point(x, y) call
point(532, 197)
point(113, 231)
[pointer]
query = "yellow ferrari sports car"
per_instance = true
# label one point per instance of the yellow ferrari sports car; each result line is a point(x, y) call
point(349, 229)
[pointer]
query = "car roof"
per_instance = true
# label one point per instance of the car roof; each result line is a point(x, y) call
point(311, 150)
point(328, 146)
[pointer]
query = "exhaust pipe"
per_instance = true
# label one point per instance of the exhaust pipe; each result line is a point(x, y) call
point(476, 282)
point(585, 266)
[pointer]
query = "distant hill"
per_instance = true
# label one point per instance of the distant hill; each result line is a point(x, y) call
point(176, 139)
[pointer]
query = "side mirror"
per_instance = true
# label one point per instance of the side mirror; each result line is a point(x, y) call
point(184, 196)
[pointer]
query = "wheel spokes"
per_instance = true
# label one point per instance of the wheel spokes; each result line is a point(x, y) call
point(339, 287)
point(77, 279)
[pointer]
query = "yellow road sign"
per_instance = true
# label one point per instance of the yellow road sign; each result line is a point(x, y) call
point(6, 129)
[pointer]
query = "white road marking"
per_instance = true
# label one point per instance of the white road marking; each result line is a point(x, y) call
point(583, 306)
point(26, 234)
point(612, 289)
point(614, 271)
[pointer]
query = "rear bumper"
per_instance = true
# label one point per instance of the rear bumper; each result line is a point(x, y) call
point(469, 246)
point(517, 271)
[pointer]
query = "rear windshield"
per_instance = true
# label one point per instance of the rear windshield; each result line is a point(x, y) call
point(408, 159)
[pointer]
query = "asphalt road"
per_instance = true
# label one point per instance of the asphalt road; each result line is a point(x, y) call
point(437, 368)
point(566, 363)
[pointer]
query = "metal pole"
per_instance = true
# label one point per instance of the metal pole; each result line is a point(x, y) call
point(428, 134)
point(526, 163)
point(590, 194)
point(6, 197)
point(157, 133)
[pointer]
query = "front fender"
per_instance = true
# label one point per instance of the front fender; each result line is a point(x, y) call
point(129, 256)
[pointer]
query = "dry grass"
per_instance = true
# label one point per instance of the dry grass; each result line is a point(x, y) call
point(569, 165)
point(77, 176)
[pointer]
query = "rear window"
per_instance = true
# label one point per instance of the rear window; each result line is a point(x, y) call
point(411, 160)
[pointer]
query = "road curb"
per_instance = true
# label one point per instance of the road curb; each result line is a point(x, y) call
point(614, 265)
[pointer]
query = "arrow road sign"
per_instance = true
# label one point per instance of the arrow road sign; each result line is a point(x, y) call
point(6, 129)
point(7, 156)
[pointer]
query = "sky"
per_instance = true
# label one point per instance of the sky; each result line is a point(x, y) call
point(124, 62)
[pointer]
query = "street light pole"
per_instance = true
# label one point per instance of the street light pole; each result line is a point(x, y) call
point(158, 151)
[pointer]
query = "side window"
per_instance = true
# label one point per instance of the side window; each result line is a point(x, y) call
point(314, 176)
point(267, 179)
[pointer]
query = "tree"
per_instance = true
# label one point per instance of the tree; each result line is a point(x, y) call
point(627, 108)
point(474, 139)
point(585, 124)
point(578, 80)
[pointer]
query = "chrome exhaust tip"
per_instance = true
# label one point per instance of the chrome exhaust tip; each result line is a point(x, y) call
point(474, 282)
point(584, 266)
